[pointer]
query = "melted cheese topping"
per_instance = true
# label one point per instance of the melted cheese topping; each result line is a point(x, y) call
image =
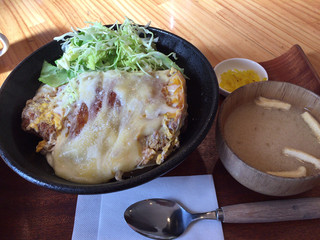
point(110, 141)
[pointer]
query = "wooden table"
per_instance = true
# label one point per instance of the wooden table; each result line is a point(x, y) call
point(260, 30)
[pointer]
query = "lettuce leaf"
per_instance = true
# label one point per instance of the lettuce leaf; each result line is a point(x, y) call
point(53, 76)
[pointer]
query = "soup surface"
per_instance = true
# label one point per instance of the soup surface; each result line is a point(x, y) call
point(258, 136)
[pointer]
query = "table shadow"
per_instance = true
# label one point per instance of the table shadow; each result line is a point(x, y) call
point(19, 50)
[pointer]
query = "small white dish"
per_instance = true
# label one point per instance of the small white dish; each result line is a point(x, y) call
point(241, 64)
point(5, 44)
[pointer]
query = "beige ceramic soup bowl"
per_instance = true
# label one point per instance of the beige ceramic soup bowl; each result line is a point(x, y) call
point(248, 176)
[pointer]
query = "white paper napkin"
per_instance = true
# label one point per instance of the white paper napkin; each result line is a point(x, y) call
point(101, 216)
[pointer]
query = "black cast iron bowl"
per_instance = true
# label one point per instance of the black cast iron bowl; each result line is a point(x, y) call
point(17, 148)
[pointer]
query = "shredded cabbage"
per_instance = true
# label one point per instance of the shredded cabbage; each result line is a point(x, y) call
point(125, 47)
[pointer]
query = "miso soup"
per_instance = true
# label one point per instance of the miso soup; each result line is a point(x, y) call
point(258, 135)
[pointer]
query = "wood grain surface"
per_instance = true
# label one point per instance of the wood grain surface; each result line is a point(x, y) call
point(260, 30)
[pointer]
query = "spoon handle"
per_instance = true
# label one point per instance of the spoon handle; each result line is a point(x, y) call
point(272, 211)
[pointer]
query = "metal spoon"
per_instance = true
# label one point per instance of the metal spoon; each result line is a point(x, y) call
point(166, 219)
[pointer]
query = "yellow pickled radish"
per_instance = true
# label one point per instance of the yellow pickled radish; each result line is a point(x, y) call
point(233, 79)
